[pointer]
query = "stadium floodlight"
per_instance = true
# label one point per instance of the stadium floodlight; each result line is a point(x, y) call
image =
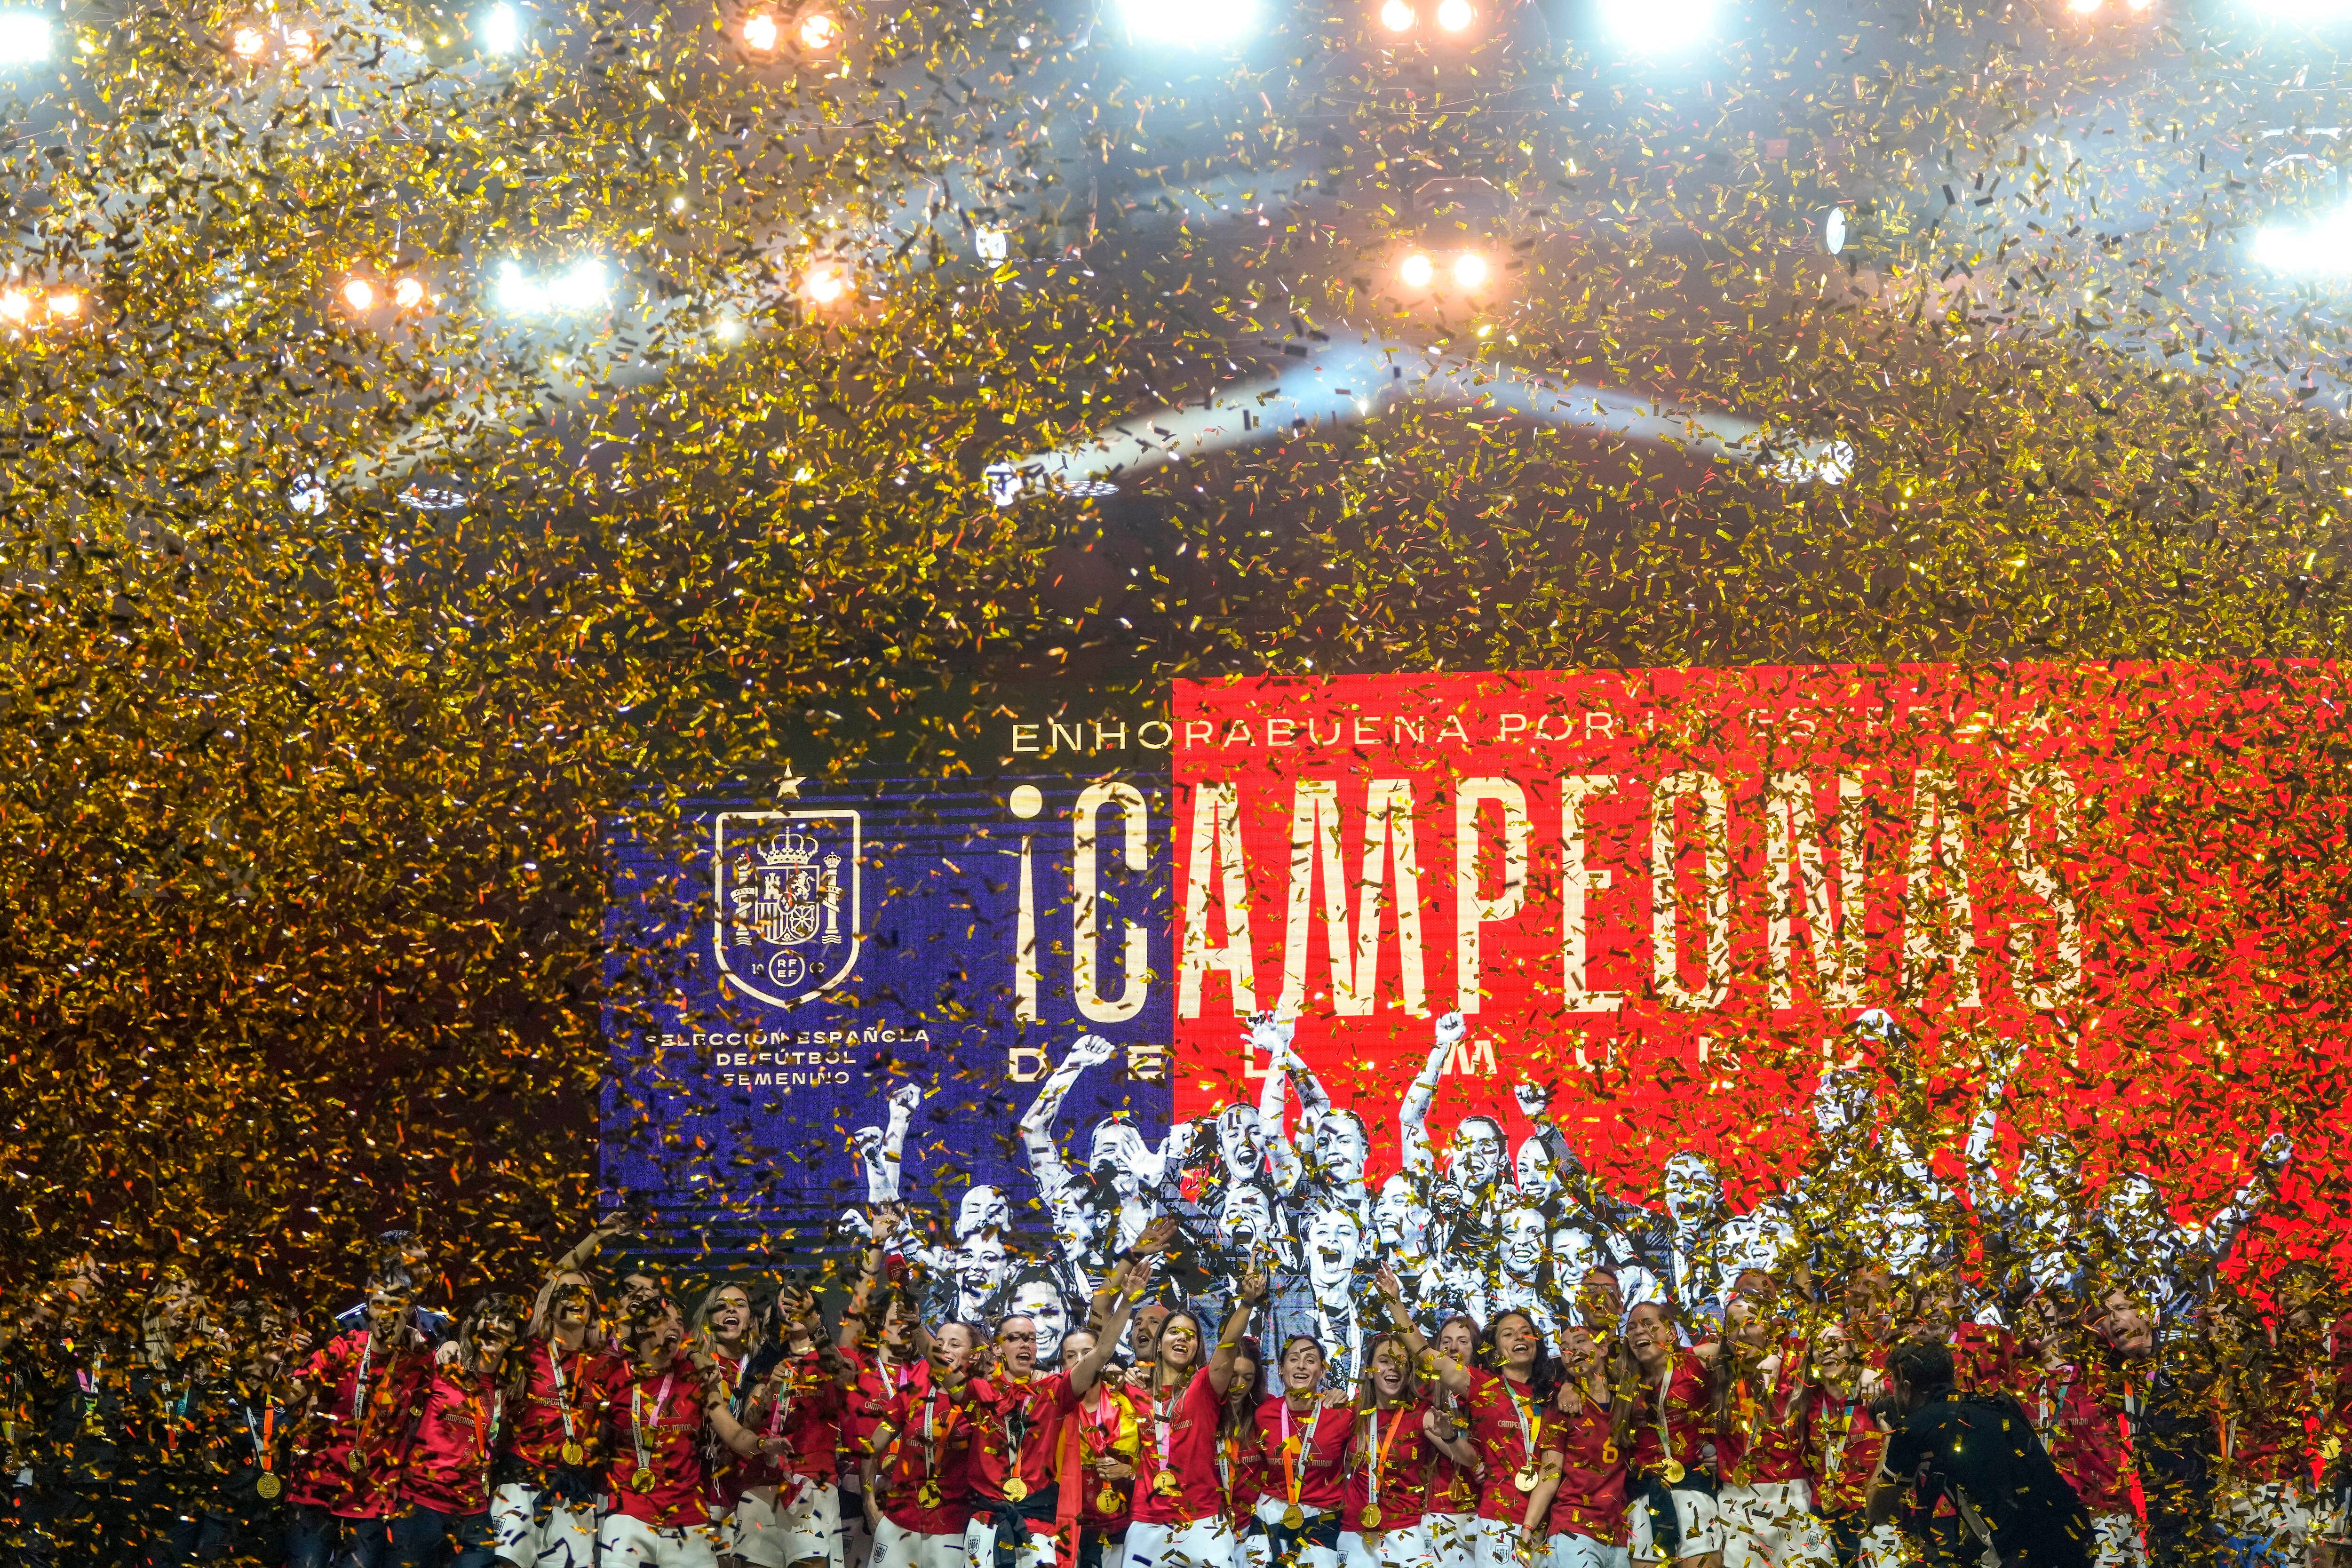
point(2320, 249)
point(1417, 270)
point(1397, 16)
point(500, 30)
point(1204, 25)
point(760, 32)
point(819, 32)
point(823, 284)
point(1454, 15)
point(407, 293)
point(1469, 269)
point(359, 294)
point(248, 43)
point(24, 38)
point(583, 287)
point(1658, 27)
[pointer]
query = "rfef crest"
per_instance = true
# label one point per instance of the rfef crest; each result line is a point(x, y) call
point(786, 888)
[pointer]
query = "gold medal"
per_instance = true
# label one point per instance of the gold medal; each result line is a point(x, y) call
point(1527, 1478)
point(1675, 1472)
point(384, 1399)
point(926, 1495)
point(574, 1454)
point(1164, 1483)
point(268, 1485)
point(1107, 1501)
point(1372, 1519)
point(1015, 1488)
point(1293, 1517)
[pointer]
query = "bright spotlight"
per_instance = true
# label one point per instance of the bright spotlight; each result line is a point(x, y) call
point(583, 287)
point(246, 43)
point(2321, 250)
point(2083, 7)
point(407, 293)
point(502, 30)
point(1417, 270)
point(15, 304)
point(1648, 27)
point(1397, 16)
point(819, 31)
point(1469, 269)
point(24, 38)
point(1204, 25)
point(1833, 231)
point(359, 294)
point(301, 44)
point(1453, 15)
point(65, 305)
point(822, 284)
point(759, 33)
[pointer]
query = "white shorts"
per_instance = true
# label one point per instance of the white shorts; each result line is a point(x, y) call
point(1494, 1543)
point(1882, 1547)
point(980, 1546)
point(1203, 1544)
point(896, 1546)
point(1583, 1552)
point(2115, 1542)
point(1448, 1535)
point(625, 1543)
point(2274, 1516)
point(1694, 1511)
point(564, 1538)
point(1406, 1548)
point(1771, 1525)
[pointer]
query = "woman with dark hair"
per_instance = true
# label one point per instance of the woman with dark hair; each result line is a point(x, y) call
point(914, 1470)
point(1507, 1399)
point(1304, 1437)
point(353, 1394)
point(1241, 1461)
point(1674, 1395)
point(543, 1496)
point(1449, 1520)
point(725, 1329)
point(1581, 1497)
point(1765, 1406)
point(1183, 1516)
point(1388, 1462)
point(453, 1429)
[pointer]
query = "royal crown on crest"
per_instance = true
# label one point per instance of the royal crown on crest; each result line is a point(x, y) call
point(789, 848)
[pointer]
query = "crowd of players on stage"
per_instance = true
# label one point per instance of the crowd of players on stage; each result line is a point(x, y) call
point(1723, 1393)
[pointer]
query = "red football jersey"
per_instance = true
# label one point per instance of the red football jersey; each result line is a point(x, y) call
point(458, 1419)
point(1307, 1448)
point(559, 1397)
point(1590, 1501)
point(1179, 1436)
point(1685, 1420)
point(1508, 1421)
point(1388, 1464)
point(920, 1478)
point(1001, 1412)
point(364, 1395)
point(653, 1434)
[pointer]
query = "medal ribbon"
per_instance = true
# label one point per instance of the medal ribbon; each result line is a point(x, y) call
point(485, 1436)
point(1380, 1451)
point(637, 1423)
point(562, 1398)
point(1666, 1427)
point(1162, 1406)
point(264, 1437)
point(1527, 1434)
point(1294, 1470)
point(359, 1380)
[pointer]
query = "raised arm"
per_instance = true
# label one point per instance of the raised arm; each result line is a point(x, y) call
point(1273, 1035)
point(1413, 1116)
point(1452, 1377)
point(584, 1250)
point(1246, 1300)
point(1131, 1289)
point(1046, 1161)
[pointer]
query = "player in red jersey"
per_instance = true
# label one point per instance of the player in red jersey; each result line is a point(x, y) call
point(1017, 1414)
point(656, 1409)
point(1303, 1434)
point(1100, 1441)
point(789, 1515)
point(1507, 1403)
point(1765, 1404)
point(1847, 1442)
point(355, 1392)
point(1183, 1491)
point(1581, 1498)
point(1672, 1425)
point(1387, 1460)
point(457, 1420)
point(543, 1498)
point(1450, 1521)
point(914, 1467)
